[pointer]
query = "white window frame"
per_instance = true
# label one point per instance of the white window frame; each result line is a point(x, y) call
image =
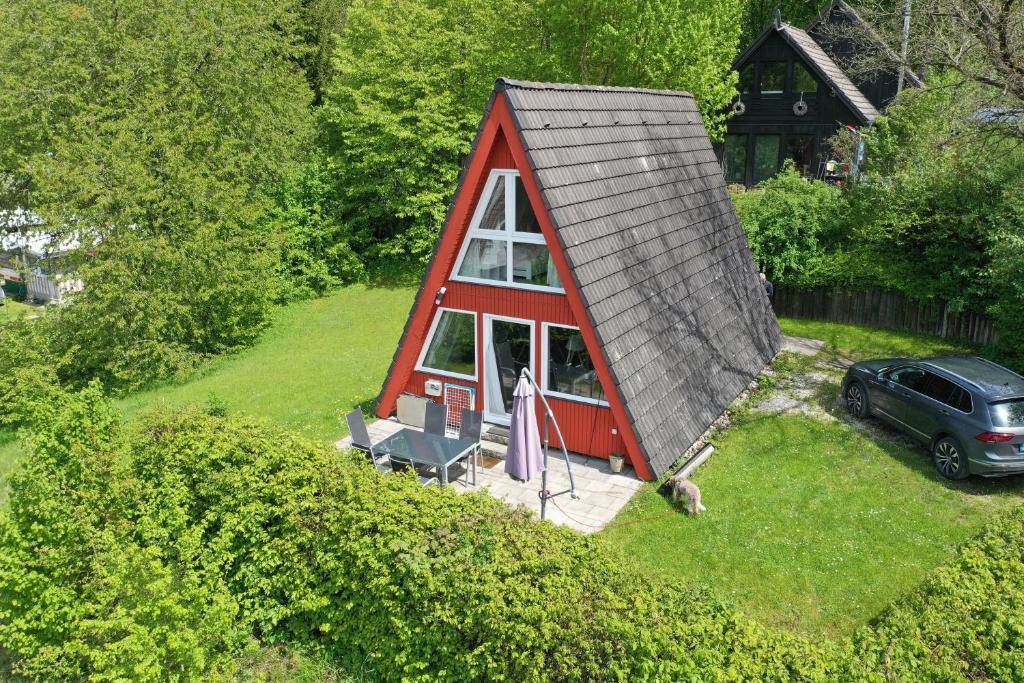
point(509, 235)
point(420, 367)
point(544, 368)
point(489, 318)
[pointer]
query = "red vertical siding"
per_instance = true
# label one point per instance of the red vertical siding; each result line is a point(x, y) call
point(587, 428)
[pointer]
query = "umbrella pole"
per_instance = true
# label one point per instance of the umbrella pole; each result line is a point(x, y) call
point(544, 472)
point(549, 421)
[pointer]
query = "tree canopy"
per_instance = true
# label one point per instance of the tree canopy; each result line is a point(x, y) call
point(154, 133)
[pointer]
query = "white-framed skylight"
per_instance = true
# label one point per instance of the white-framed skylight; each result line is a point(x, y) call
point(504, 245)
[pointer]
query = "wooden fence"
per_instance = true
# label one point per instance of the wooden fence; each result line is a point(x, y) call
point(884, 308)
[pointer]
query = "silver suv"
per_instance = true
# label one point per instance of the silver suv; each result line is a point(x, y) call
point(969, 411)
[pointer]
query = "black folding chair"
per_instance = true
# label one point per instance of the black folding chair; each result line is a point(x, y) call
point(472, 427)
point(436, 418)
point(360, 436)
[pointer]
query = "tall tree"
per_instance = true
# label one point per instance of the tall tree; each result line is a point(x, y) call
point(153, 132)
point(980, 43)
point(757, 14)
point(412, 76)
point(672, 44)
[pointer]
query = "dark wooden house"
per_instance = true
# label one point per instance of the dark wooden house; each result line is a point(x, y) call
point(794, 95)
point(591, 239)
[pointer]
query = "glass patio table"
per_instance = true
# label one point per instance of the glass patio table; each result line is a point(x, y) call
point(432, 450)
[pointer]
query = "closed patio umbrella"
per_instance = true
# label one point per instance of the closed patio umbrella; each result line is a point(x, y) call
point(525, 457)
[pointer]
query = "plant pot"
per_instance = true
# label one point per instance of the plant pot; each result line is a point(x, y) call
point(616, 461)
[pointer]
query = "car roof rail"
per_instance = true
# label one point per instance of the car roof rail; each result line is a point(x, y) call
point(955, 375)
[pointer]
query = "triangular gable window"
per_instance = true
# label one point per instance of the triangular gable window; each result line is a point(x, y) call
point(505, 245)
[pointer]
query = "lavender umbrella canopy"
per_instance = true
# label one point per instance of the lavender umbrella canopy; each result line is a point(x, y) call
point(525, 457)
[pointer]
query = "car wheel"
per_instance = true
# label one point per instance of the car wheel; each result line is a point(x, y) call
point(856, 397)
point(950, 459)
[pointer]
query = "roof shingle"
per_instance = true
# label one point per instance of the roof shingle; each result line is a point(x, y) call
point(640, 208)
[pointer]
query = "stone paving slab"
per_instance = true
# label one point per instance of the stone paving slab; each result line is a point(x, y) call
point(802, 345)
point(601, 492)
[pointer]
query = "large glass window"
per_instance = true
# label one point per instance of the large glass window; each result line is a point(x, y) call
point(570, 370)
point(734, 160)
point(746, 84)
point(909, 377)
point(766, 157)
point(526, 220)
point(485, 260)
point(773, 78)
point(800, 149)
point(803, 81)
point(493, 217)
point(505, 244)
point(451, 349)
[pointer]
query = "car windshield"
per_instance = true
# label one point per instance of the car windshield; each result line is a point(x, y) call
point(1008, 413)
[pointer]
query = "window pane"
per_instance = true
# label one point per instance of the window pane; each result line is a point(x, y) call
point(570, 369)
point(1008, 413)
point(803, 81)
point(494, 214)
point(453, 347)
point(773, 78)
point(939, 388)
point(766, 157)
point(735, 158)
point(526, 221)
point(485, 259)
point(910, 377)
point(747, 79)
point(531, 264)
point(799, 148)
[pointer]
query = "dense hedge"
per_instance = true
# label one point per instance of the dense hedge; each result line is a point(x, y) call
point(167, 550)
point(965, 622)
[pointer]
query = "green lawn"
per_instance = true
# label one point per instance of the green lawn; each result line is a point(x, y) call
point(815, 525)
point(810, 526)
point(14, 309)
point(860, 341)
point(319, 360)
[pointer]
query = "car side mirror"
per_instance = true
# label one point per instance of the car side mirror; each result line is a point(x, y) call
point(883, 375)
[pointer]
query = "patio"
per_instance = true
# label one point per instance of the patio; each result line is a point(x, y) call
point(601, 492)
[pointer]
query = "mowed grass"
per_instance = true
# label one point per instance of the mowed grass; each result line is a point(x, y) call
point(319, 360)
point(14, 309)
point(859, 342)
point(815, 525)
point(811, 526)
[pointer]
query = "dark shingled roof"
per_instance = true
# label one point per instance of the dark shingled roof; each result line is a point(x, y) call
point(834, 75)
point(641, 210)
point(822, 64)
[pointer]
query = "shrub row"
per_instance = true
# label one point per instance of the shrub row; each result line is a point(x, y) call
point(165, 551)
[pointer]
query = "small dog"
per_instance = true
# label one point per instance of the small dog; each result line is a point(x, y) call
point(688, 491)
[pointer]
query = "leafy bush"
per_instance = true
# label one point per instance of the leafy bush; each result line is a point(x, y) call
point(963, 623)
point(784, 221)
point(80, 595)
point(316, 249)
point(160, 551)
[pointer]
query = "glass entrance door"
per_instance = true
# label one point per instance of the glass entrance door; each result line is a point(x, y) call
point(509, 349)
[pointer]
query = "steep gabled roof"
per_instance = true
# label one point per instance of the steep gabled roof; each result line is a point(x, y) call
point(640, 208)
point(819, 62)
point(848, 13)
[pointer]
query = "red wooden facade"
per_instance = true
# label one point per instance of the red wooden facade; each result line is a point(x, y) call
point(596, 430)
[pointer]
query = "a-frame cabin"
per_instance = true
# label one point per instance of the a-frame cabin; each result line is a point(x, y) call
point(591, 238)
